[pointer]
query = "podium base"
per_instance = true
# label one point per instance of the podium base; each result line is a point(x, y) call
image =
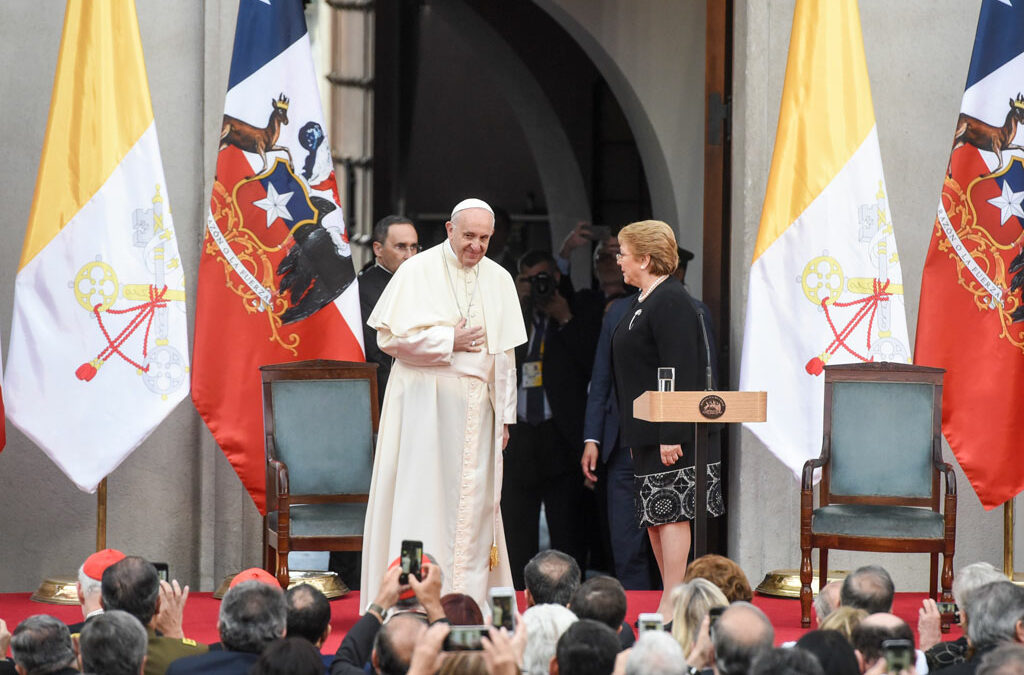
point(328, 583)
point(786, 583)
point(57, 591)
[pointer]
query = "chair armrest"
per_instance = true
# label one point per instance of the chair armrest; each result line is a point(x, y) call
point(950, 475)
point(807, 479)
point(277, 485)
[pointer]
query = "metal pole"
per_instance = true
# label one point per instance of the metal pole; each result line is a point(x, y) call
point(101, 515)
point(1008, 539)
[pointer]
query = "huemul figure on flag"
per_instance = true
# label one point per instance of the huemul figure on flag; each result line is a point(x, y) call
point(276, 280)
point(99, 347)
point(825, 282)
point(971, 318)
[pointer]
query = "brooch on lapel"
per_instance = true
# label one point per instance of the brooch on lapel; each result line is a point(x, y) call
point(636, 315)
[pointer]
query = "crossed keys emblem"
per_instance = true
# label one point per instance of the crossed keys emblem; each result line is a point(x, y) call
point(97, 288)
point(824, 282)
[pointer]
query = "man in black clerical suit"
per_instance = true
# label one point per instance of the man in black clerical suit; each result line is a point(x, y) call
point(543, 454)
point(394, 242)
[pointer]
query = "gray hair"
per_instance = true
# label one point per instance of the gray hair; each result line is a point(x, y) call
point(691, 601)
point(869, 588)
point(972, 577)
point(41, 644)
point(88, 585)
point(736, 647)
point(993, 611)
point(823, 602)
point(544, 625)
point(252, 615)
point(1007, 659)
point(655, 653)
point(552, 576)
point(113, 643)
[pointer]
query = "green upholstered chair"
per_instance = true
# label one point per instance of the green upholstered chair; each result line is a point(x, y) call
point(880, 461)
point(320, 422)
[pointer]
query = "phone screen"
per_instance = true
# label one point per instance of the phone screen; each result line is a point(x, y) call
point(503, 608)
point(465, 638)
point(898, 654)
point(412, 554)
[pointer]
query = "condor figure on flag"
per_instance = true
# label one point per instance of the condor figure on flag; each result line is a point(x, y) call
point(451, 319)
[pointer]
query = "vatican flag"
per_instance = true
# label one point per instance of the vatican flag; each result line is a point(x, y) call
point(99, 352)
point(825, 281)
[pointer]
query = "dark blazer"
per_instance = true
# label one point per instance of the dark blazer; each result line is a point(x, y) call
point(661, 331)
point(356, 648)
point(372, 281)
point(568, 358)
point(214, 663)
point(601, 420)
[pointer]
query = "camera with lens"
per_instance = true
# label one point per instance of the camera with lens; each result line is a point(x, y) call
point(542, 288)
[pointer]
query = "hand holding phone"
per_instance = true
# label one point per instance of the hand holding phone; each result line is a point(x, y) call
point(465, 638)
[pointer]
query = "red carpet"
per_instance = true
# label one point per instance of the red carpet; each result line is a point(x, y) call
point(201, 613)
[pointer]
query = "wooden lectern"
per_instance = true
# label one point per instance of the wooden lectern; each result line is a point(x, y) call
point(703, 408)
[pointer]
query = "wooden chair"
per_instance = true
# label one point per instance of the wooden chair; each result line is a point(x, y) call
point(320, 420)
point(880, 461)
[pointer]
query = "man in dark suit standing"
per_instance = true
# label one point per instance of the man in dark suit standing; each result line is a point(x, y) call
point(394, 241)
point(541, 460)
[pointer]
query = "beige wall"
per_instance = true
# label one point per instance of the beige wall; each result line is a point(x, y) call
point(176, 499)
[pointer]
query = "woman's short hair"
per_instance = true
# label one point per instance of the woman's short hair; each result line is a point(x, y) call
point(461, 610)
point(655, 239)
point(844, 620)
point(691, 601)
point(723, 573)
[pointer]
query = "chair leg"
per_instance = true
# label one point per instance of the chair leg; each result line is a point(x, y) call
point(281, 572)
point(806, 575)
point(947, 586)
point(933, 577)
point(822, 568)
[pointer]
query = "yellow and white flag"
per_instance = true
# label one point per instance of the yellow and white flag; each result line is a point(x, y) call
point(825, 281)
point(99, 351)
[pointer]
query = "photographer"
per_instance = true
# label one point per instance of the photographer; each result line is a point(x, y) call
point(552, 370)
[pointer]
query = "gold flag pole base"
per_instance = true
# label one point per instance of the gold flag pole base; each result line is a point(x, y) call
point(64, 590)
point(786, 583)
point(328, 583)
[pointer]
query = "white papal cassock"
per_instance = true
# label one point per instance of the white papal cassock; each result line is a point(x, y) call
point(437, 469)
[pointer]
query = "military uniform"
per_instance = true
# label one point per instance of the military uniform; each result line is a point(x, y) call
point(163, 650)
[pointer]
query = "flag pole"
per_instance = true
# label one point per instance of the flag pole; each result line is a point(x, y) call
point(1008, 539)
point(101, 515)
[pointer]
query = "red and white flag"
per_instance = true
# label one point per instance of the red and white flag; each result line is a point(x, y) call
point(276, 279)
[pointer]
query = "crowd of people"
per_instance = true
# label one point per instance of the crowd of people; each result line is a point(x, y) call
point(133, 626)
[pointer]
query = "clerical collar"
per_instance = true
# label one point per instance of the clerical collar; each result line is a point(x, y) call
point(377, 263)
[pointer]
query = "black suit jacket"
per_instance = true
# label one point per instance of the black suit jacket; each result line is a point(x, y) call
point(661, 331)
point(372, 281)
point(566, 365)
point(356, 648)
point(214, 663)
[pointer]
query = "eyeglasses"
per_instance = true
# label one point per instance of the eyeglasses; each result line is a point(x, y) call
point(408, 248)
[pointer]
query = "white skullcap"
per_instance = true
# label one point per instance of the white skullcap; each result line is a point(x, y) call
point(472, 203)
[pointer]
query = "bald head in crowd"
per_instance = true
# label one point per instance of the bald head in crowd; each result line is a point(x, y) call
point(395, 642)
point(740, 635)
point(869, 634)
point(869, 588)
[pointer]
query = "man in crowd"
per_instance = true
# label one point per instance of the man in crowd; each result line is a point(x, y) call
point(309, 615)
point(827, 600)
point(551, 577)
point(869, 588)
point(1005, 660)
point(542, 459)
point(252, 615)
point(586, 648)
point(41, 645)
point(388, 646)
point(740, 635)
point(451, 319)
point(603, 599)
point(656, 653)
point(869, 634)
point(394, 241)
point(114, 643)
point(929, 624)
point(132, 585)
point(996, 618)
point(88, 587)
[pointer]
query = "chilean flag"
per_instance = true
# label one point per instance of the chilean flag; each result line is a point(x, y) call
point(276, 279)
point(971, 320)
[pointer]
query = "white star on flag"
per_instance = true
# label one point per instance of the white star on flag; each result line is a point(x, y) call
point(276, 205)
point(1008, 203)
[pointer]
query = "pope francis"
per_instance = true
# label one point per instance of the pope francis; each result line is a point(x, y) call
point(451, 319)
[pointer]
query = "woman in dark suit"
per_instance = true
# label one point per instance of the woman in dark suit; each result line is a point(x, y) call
point(661, 329)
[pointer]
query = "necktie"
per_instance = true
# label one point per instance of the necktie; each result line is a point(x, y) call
point(535, 395)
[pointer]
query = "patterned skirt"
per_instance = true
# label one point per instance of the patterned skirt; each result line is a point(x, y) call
point(667, 494)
